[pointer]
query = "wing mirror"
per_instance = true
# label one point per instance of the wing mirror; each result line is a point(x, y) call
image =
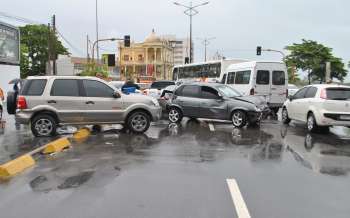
point(290, 98)
point(116, 95)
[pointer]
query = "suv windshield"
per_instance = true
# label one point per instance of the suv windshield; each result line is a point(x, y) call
point(228, 91)
point(338, 93)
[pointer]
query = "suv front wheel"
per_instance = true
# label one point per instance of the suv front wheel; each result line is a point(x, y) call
point(43, 125)
point(138, 122)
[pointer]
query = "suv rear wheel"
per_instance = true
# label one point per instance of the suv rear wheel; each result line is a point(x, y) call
point(43, 125)
point(175, 115)
point(138, 122)
point(239, 118)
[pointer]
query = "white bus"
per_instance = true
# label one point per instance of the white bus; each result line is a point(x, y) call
point(268, 79)
point(207, 71)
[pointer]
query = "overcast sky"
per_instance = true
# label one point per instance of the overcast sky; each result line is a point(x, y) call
point(239, 26)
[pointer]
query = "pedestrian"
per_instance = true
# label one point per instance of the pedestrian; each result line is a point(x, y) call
point(129, 84)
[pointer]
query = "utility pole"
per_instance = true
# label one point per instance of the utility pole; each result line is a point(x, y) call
point(48, 67)
point(97, 40)
point(54, 45)
point(191, 11)
point(206, 42)
point(87, 49)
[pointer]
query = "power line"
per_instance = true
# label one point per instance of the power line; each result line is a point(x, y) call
point(69, 43)
point(20, 19)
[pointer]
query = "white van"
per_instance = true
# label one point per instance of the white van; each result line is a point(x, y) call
point(268, 79)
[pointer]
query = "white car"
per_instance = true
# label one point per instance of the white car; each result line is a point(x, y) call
point(319, 106)
point(157, 87)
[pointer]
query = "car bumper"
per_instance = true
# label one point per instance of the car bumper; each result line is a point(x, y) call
point(23, 117)
point(254, 116)
point(156, 113)
point(334, 119)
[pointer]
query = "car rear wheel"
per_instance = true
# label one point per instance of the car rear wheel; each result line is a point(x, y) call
point(311, 123)
point(43, 125)
point(239, 118)
point(175, 115)
point(138, 122)
point(285, 117)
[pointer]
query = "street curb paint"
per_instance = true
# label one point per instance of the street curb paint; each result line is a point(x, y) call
point(81, 134)
point(57, 146)
point(16, 166)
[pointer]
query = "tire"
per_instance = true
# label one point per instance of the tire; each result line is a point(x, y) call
point(311, 124)
point(285, 117)
point(239, 118)
point(175, 115)
point(138, 122)
point(43, 125)
point(11, 102)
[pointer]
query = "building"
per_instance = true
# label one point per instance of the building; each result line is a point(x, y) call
point(70, 66)
point(181, 48)
point(9, 55)
point(146, 61)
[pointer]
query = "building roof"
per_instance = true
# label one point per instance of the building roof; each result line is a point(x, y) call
point(152, 38)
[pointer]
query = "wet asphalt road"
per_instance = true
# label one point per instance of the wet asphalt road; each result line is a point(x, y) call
point(180, 171)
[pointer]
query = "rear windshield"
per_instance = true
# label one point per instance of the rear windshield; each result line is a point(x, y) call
point(34, 87)
point(161, 85)
point(338, 93)
point(278, 78)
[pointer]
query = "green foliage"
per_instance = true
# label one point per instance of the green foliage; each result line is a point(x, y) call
point(311, 57)
point(34, 49)
point(92, 70)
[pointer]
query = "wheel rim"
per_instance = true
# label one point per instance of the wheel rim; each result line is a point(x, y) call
point(310, 122)
point(139, 122)
point(44, 127)
point(174, 115)
point(284, 114)
point(237, 118)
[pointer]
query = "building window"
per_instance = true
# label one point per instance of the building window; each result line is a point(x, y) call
point(126, 57)
point(140, 57)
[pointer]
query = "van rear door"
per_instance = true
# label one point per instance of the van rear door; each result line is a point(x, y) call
point(278, 87)
point(263, 84)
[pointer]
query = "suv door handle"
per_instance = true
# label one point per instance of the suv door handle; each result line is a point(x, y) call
point(89, 102)
point(51, 102)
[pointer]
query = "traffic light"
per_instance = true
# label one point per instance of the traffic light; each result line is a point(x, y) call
point(111, 60)
point(127, 41)
point(258, 50)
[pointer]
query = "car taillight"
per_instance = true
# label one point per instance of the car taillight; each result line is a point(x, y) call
point(21, 103)
point(323, 94)
point(252, 92)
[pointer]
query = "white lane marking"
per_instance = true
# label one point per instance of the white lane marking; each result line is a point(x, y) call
point(211, 127)
point(238, 201)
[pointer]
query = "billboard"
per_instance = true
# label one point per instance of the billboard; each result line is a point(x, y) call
point(9, 44)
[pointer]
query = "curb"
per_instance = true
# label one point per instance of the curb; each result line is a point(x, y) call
point(23, 162)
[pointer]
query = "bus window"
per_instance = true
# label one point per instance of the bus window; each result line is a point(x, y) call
point(263, 77)
point(242, 77)
point(231, 78)
point(278, 78)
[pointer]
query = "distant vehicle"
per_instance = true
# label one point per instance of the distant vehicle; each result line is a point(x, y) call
point(204, 71)
point(319, 106)
point(166, 96)
point(267, 79)
point(292, 89)
point(215, 101)
point(144, 86)
point(47, 102)
point(117, 84)
point(156, 87)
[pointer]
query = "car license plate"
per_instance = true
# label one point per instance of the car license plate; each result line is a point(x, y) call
point(345, 117)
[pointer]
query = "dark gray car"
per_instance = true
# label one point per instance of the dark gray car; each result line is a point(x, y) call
point(215, 101)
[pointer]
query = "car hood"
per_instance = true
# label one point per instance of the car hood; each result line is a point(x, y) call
point(256, 100)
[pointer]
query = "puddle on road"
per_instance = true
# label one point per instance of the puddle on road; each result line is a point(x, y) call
point(76, 181)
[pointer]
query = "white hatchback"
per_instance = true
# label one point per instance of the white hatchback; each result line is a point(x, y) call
point(319, 106)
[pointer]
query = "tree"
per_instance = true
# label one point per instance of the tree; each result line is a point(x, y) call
point(311, 57)
point(34, 49)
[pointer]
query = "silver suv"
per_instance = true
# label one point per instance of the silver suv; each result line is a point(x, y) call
point(50, 101)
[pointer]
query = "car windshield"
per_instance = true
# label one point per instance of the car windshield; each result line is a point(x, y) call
point(228, 91)
point(161, 85)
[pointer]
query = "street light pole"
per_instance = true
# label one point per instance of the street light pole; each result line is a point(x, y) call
point(206, 42)
point(96, 43)
point(98, 53)
point(191, 11)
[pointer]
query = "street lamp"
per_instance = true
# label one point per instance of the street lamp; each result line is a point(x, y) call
point(96, 42)
point(206, 42)
point(191, 11)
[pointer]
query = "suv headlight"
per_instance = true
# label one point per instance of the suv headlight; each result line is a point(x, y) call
point(155, 102)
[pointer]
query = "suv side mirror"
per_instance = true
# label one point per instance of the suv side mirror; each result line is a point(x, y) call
point(116, 95)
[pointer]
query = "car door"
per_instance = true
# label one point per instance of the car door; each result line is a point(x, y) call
point(189, 100)
point(306, 102)
point(100, 104)
point(212, 106)
point(66, 98)
point(294, 106)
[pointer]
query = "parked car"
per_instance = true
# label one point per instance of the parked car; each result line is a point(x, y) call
point(215, 101)
point(47, 102)
point(319, 106)
point(165, 97)
point(156, 88)
point(292, 89)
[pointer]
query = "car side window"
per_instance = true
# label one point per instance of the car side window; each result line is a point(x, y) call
point(34, 87)
point(301, 93)
point(311, 92)
point(97, 89)
point(65, 87)
point(209, 93)
point(190, 91)
point(263, 77)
